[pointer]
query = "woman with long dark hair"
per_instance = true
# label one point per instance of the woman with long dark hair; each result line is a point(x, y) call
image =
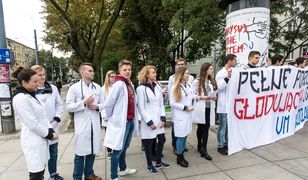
point(202, 88)
point(36, 129)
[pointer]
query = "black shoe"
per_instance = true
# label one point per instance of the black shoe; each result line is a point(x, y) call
point(226, 147)
point(207, 156)
point(202, 152)
point(180, 161)
point(222, 151)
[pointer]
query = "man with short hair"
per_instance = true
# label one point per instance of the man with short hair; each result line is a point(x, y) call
point(276, 60)
point(181, 62)
point(85, 99)
point(253, 59)
point(222, 79)
point(300, 61)
point(121, 112)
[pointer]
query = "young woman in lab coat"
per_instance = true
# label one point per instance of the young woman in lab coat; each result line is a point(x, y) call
point(49, 95)
point(36, 129)
point(181, 100)
point(153, 118)
point(109, 80)
point(201, 87)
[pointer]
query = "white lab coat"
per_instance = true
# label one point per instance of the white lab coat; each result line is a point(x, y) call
point(116, 113)
point(182, 119)
point(222, 90)
point(54, 108)
point(150, 107)
point(84, 118)
point(103, 113)
point(170, 84)
point(35, 125)
point(195, 85)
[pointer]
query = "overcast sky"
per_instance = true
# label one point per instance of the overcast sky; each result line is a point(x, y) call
point(21, 17)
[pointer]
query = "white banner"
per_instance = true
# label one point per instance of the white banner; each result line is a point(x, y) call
point(248, 30)
point(265, 105)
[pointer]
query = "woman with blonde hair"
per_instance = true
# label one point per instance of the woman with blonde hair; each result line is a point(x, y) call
point(109, 80)
point(153, 118)
point(202, 88)
point(181, 100)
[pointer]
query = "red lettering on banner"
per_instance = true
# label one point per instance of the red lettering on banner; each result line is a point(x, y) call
point(236, 29)
point(235, 49)
point(266, 104)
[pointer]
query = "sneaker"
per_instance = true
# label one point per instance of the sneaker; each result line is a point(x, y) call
point(152, 169)
point(222, 151)
point(109, 155)
point(56, 177)
point(127, 172)
point(162, 166)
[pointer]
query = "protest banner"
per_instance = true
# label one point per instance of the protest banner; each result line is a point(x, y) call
point(265, 105)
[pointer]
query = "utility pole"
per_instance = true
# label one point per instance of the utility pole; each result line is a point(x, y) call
point(6, 112)
point(37, 60)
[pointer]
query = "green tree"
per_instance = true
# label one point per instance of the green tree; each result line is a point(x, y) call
point(197, 25)
point(289, 26)
point(81, 26)
point(146, 33)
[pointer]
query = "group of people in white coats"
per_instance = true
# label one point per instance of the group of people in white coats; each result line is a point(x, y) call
point(122, 110)
point(38, 106)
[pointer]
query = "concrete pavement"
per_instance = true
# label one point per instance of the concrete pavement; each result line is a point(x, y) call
point(284, 159)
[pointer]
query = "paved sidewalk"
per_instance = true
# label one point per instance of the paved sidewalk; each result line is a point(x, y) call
point(285, 159)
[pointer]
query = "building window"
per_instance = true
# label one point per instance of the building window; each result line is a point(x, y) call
point(290, 56)
point(305, 51)
point(291, 25)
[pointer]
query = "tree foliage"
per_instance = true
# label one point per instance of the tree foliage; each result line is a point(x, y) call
point(197, 25)
point(289, 26)
point(81, 26)
point(146, 33)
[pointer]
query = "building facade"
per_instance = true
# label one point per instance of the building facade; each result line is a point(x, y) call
point(21, 55)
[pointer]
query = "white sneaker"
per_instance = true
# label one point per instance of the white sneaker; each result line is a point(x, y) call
point(127, 172)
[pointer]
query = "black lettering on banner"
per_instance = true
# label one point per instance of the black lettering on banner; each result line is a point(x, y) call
point(277, 86)
point(285, 77)
point(252, 82)
point(263, 79)
point(242, 82)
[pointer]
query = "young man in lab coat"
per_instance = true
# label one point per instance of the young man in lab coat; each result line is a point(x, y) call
point(85, 98)
point(121, 112)
point(222, 79)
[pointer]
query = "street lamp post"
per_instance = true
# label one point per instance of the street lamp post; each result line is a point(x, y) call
point(6, 110)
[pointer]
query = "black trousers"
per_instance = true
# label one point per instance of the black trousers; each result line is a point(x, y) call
point(203, 131)
point(37, 175)
point(148, 144)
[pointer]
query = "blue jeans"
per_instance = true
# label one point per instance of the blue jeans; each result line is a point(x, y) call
point(118, 156)
point(83, 164)
point(52, 162)
point(180, 144)
point(222, 133)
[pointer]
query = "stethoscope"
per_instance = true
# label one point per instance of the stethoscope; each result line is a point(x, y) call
point(146, 94)
point(81, 85)
point(186, 94)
